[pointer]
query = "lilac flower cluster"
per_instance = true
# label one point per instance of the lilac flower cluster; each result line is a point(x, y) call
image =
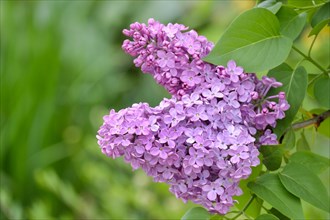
point(172, 56)
point(204, 139)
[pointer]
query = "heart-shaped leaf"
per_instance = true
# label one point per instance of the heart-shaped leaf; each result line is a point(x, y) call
point(255, 33)
point(304, 184)
point(294, 86)
point(291, 23)
point(269, 188)
point(197, 213)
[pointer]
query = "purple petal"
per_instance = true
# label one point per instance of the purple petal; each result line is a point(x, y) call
point(154, 151)
point(231, 64)
point(244, 155)
point(139, 149)
point(212, 195)
point(171, 143)
point(234, 159)
point(207, 188)
point(154, 127)
point(183, 188)
point(219, 191)
point(191, 161)
point(167, 174)
point(163, 155)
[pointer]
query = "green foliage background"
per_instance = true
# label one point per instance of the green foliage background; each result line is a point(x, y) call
point(62, 69)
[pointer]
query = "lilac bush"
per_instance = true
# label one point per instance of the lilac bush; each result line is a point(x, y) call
point(204, 139)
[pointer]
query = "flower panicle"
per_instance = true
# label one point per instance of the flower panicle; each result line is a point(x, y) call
point(204, 139)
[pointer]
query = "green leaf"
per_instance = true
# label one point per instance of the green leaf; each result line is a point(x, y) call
point(272, 156)
point(269, 188)
point(320, 18)
point(324, 128)
point(278, 214)
point(294, 86)
point(197, 213)
point(322, 91)
point(316, 30)
point(255, 33)
point(311, 161)
point(216, 217)
point(291, 23)
point(304, 184)
point(321, 14)
point(289, 140)
point(310, 13)
point(267, 217)
point(304, 3)
point(302, 143)
point(271, 5)
point(311, 83)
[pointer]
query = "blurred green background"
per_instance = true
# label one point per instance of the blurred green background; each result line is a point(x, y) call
point(62, 69)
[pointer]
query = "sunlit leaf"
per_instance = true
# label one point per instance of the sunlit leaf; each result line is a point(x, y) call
point(304, 3)
point(271, 5)
point(255, 33)
point(324, 128)
point(269, 188)
point(304, 184)
point(291, 23)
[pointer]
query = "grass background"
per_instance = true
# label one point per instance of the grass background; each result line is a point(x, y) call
point(62, 69)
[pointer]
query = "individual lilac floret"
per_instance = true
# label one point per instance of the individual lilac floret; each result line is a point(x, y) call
point(268, 138)
point(203, 140)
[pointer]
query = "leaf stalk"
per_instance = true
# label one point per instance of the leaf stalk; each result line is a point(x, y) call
point(245, 207)
point(310, 60)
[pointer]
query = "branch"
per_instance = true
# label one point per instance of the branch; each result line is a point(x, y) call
point(316, 120)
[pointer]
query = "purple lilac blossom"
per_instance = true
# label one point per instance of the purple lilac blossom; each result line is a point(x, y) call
point(204, 139)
